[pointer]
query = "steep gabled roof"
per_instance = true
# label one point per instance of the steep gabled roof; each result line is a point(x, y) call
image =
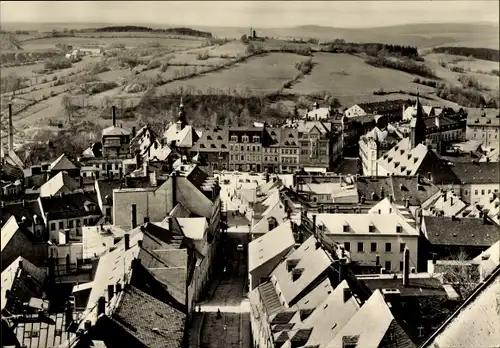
point(475, 323)
point(61, 182)
point(62, 163)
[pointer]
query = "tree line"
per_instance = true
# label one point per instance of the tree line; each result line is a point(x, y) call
point(478, 53)
point(371, 49)
point(136, 29)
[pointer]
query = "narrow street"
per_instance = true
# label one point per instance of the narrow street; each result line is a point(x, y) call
point(226, 293)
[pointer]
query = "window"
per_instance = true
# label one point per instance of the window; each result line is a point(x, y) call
point(84, 222)
point(476, 192)
point(53, 226)
point(234, 138)
point(401, 265)
point(256, 139)
point(371, 228)
point(360, 247)
point(346, 227)
point(373, 247)
point(388, 247)
point(61, 225)
point(242, 158)
point(402, 247)
point(253, 148)
point(77, 222)
point(347, 246)
point(244, 138)
point(482, 192)
point(242, 148)
point(399, 228)
point(70, 224)
point(466, 192)
point(388, 265)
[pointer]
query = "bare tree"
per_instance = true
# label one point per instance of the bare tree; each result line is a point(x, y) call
point(461, 274)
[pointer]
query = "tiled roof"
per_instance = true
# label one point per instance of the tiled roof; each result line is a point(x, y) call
point(415, 188)
point(154, 323)
point(307, 126)
point(184, 138)
point(475, 323)
point(460, 232)
point(483, 117)
point(448, 203)
point(385, 224)
point(212, 140)
point(98, 239)
point(274, 242)
point(175, 279)
point(71, 205)
point(330, 316)
point(317, 295)
point(477, 173)
point(402, 159)
point(269, 298)
point(311, 262)
point(13, 274)
point(61, 182)
point(62, 163)
point(369, 324)
point(489, 259)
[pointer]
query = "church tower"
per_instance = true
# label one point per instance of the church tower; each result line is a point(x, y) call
point(181, 120)
point(417, 126)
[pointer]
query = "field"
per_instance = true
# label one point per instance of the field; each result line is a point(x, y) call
point(350, 80)
point(195, 64)
point(260, 75)
point(476, 68)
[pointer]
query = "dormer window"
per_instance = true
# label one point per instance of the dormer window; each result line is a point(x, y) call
point(256, 139)
point(389, 160)
point(209, 137)
point(371, 227)
point(202, 146)
point(223, 146)
point(399, 228)
point(402, 152)
point(346, 227)
point(409, 156)
point(396, 164)
point(488, 121)
point(234, 138)
point(244, 138)
point(415, 160)
point(273, 133)
point(213, 146)
point(290, 135)
point(219, 137)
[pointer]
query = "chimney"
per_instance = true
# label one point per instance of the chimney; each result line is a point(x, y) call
point(113, 115)
point(101, 305)
point(406, 267)
point(133, 132)
point(347, 294)
point(170, 223)
point(11, 130)
point(127, 241)
point(66, 235)
point(111, 291)
point(407, 203)
point(21, 264)
point(146, 219)
point(68, 312)
point(451, 201)
point(138, 161)
point(133, 215)
point(314, 225)
point(173, 177)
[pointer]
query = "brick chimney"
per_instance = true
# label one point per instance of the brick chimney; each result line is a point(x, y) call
point(347, 294)
point(111, 291)
point(133, 215)
point(127, 241)
point(11, 130)
point(406, 267)
point(101, 305)
point(113, 115)
point(173, 177)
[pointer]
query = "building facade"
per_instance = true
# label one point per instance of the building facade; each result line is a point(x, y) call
point(245, 148)
point(484, 125)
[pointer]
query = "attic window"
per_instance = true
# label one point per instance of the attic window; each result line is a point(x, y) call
point(396, 148)
point(290, 264)
point(403, 168)
point(213, 146)
point(415, 160)
point(389, 160)
point(385, 156)
point(399, 228)
point(209, 137)
point(396, 164)
point(402, 151)
point(273, 133)
point(488, 121)
point(202, 146)
point(409, 156)
point(290, 135)
point(371, 227)
point(223, 146)
point(219, 137)
point(286, 142)
point(346, 227)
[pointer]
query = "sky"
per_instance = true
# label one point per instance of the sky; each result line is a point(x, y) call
point(260, 14)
